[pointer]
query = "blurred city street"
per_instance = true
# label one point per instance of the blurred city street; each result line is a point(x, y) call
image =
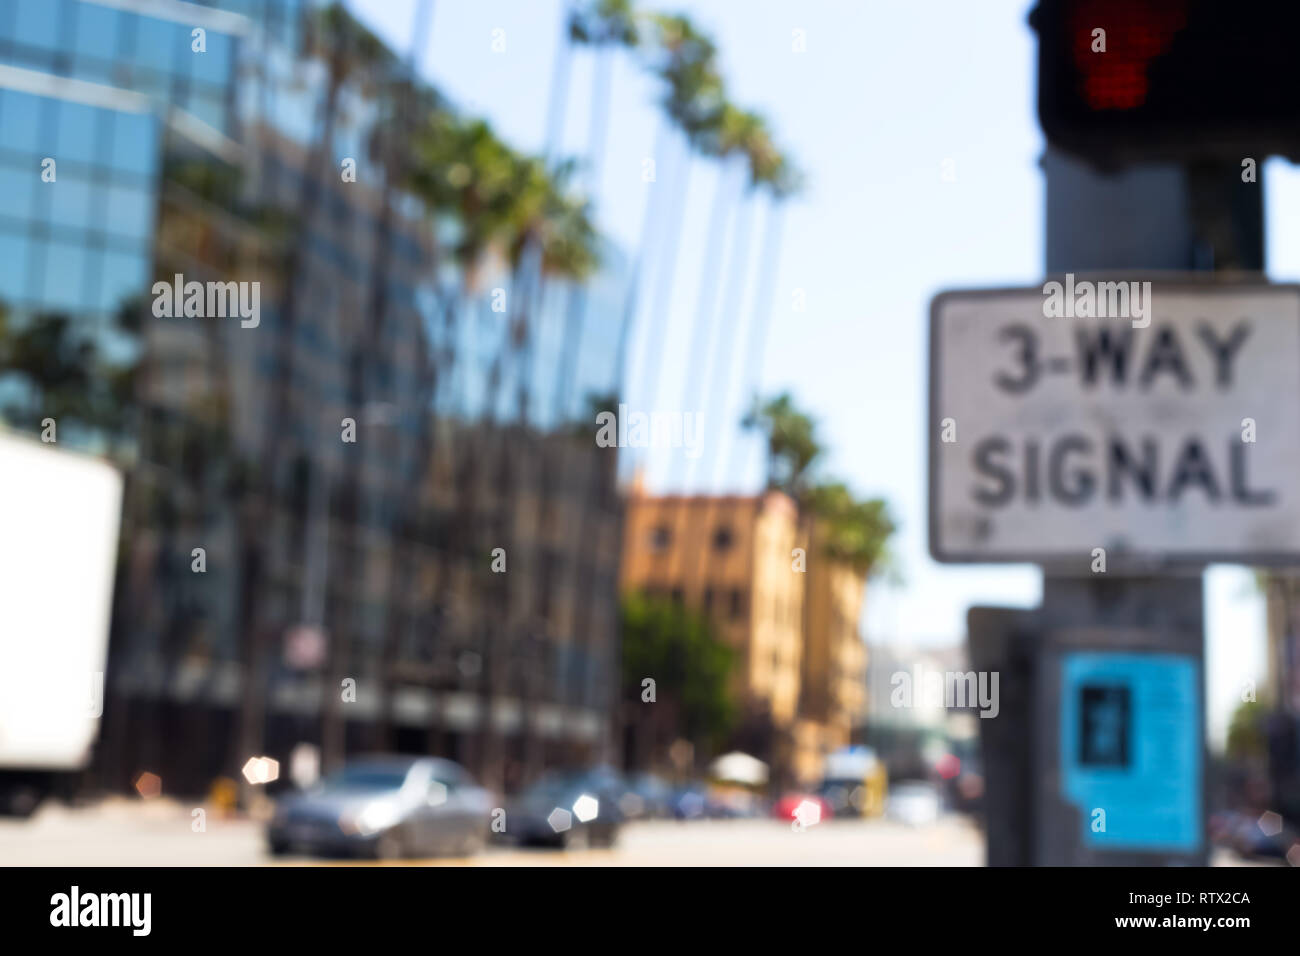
point(116, 833)
point(648, 433)
point(122, 833)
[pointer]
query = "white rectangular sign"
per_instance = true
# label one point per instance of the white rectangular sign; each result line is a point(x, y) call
point(1167, 432)
point(59, 517)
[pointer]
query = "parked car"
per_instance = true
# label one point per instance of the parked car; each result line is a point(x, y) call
point(568, 810)
point(854, 782)
point(1244, 834)
point(386, 807)
point(697, 801)
point(648, 797)
point(847, 798)
point(915, 803)
point(807, 809)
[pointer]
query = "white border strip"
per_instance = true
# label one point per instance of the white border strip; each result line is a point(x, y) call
point(190, 14)
point(80, 91)
point(211, 139)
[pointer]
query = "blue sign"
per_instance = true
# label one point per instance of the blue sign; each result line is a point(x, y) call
point(1131, 749)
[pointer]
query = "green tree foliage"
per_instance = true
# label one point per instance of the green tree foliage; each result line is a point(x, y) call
point(680, 650)
point(603, 22)
point(51, 367)
point(1247, 737)
point(792, 443)
point(546, 211)
point(464, 171)
point(347, 47)
point(849, 529)
point(695, 99)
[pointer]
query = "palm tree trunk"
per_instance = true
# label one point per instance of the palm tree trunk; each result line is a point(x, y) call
point(651, 222)
point(259, 508)
point(393, 162)
point(531, 297)
point(768, 263)
point(371, 334)
point(726, 198)
point(667, 269)
point(722, 355)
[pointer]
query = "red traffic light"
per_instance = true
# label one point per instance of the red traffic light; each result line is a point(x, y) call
point(1132, 33)
point(1129, 80)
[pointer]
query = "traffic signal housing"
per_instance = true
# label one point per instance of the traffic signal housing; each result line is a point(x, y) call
point(1130, 80)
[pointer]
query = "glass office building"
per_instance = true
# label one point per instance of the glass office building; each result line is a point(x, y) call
point(326, 556)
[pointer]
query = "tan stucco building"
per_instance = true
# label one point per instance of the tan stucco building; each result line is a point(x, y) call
point(833, 699)
point(791, 616)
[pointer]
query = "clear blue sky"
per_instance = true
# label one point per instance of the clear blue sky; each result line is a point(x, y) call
point(885, 94)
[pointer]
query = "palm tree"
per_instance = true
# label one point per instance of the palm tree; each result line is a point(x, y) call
point(772, 175)
point(695, 102)
point(603, 26)
point(742, 133)
point(552, 238)
point(349, 51)
point(850, 530)
point(400, 98)
point(391, 147)
point(686, 59)
point(846, 528)
point(505, 204)
point(760, 319)
point(554, 224)
point(604, 23)
point(792, 444)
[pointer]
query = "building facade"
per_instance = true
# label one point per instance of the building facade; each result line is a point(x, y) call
point(790, 615)
point(316, 492)
point(1281, 683)
point(833, 686)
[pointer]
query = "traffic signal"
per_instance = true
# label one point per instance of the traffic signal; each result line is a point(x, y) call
point(1128, 80)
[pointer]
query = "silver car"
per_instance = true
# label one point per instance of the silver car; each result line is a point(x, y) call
point(385, 807)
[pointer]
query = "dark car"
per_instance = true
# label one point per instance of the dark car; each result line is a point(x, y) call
point(1245, 834)
point(386, 807)
point(846, 798)
point(647, 797)
point(568, 809)
point(696, 802)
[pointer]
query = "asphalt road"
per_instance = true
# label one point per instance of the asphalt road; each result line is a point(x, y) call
point(163, 833)
point(132, 833)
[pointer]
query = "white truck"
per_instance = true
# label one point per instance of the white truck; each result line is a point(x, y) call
point(59, 517)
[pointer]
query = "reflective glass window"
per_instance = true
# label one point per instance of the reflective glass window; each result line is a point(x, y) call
point(70, 200)
point(94, 71)
point(13, 267)
point(155, 84)
point(210, 109)
point(97, 31)
point(122, 275)
point(17, 184)
point(134, 149)
point(37, 24)
point(158, 43)
point(65, 268)
point(78, 125)
point(20, 121)
point(214, 66)
point(129, 210)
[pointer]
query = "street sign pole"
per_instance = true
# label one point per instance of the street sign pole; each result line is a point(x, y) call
point(1060, 442)
point(1212, 220)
